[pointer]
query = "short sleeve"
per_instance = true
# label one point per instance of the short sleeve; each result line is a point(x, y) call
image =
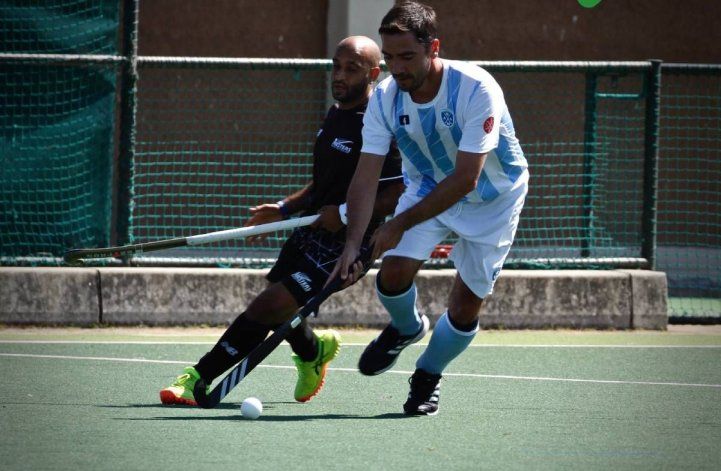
point(377, 134)
point(480, 133)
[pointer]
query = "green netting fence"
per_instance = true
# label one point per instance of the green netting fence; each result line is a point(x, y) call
point(57, 126)
point(689, 190)
point(213, 139)
point(59, 26)
point(100, 146)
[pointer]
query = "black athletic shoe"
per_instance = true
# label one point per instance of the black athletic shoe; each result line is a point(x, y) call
point(381, 354)
point(424, 393)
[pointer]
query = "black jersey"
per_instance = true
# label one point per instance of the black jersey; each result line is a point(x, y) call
point(309, 255)
point(335, 157)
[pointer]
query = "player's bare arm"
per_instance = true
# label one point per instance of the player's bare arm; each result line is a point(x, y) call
point(361, 201)
point(448, 192)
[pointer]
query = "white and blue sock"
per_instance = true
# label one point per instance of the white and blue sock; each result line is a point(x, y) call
point(402, 309)
point(447, 342)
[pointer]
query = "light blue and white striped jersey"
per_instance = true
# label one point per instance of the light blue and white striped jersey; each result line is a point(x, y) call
point(469, 113)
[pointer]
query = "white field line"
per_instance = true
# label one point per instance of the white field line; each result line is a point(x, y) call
point(487, 345)
point(406, 373)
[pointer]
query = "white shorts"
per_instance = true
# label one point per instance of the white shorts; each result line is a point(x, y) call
point(485, 233)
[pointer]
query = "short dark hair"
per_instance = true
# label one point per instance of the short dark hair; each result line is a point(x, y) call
point(413, 17)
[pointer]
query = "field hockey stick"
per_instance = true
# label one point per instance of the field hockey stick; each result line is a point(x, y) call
point(259, 353)
point(77, 255)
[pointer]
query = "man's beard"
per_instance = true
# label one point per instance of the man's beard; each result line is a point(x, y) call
point(351, 94)
point(414, 85)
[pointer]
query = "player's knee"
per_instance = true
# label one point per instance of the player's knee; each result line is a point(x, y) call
point(271, 306)
point(393, 281)
point(396, 274)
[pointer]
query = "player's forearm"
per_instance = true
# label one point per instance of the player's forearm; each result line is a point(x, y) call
point(297, 201)
point(361, 197)
point(448, 192)
point(443, 196)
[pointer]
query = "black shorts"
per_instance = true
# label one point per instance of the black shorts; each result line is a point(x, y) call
point(306, 260)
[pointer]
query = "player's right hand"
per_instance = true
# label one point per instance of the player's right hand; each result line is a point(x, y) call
point(348, 266)
point(262, 214)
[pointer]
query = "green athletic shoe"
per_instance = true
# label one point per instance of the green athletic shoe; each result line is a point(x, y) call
point(311, 374)
point(181, 391)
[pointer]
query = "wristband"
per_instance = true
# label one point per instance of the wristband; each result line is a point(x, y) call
point(343, 213)
point(283, 209)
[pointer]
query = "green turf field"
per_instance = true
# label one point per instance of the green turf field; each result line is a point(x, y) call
point(87, 399)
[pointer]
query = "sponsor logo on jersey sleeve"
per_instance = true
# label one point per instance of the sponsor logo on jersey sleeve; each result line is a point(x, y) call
point(342, 145)
point(488, 125)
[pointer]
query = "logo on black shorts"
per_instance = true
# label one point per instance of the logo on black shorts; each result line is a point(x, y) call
point(302, 279)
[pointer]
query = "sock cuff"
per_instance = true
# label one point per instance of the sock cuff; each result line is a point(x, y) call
point(465, 333)
point(381, 294)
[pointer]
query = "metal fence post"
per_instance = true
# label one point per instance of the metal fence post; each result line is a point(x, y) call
point(650, 166)
point(589, 157)
point(126, 144)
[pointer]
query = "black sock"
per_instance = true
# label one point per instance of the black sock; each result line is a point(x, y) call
point(463, 327)
point(303, 341)
point(239, 339)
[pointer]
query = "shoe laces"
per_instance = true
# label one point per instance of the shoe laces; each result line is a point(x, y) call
point(182, 379)
point(318, 364)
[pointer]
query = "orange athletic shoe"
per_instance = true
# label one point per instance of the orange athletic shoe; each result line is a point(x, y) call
point(181, 391)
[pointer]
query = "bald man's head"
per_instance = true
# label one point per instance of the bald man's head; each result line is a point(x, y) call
point(356, 65)
point(365, 47)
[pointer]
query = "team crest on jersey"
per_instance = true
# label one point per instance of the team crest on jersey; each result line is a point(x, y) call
point(448, 118)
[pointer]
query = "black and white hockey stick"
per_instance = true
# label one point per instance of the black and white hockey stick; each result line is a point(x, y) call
point(259, 353)
point(77, 255)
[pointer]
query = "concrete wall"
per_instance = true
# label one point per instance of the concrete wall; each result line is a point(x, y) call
point(619, 299)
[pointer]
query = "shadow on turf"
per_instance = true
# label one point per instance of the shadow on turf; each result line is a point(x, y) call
point(270, 405)
point(226, 405)
point(163, 406)
point(295, 418)
point(265, 418)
